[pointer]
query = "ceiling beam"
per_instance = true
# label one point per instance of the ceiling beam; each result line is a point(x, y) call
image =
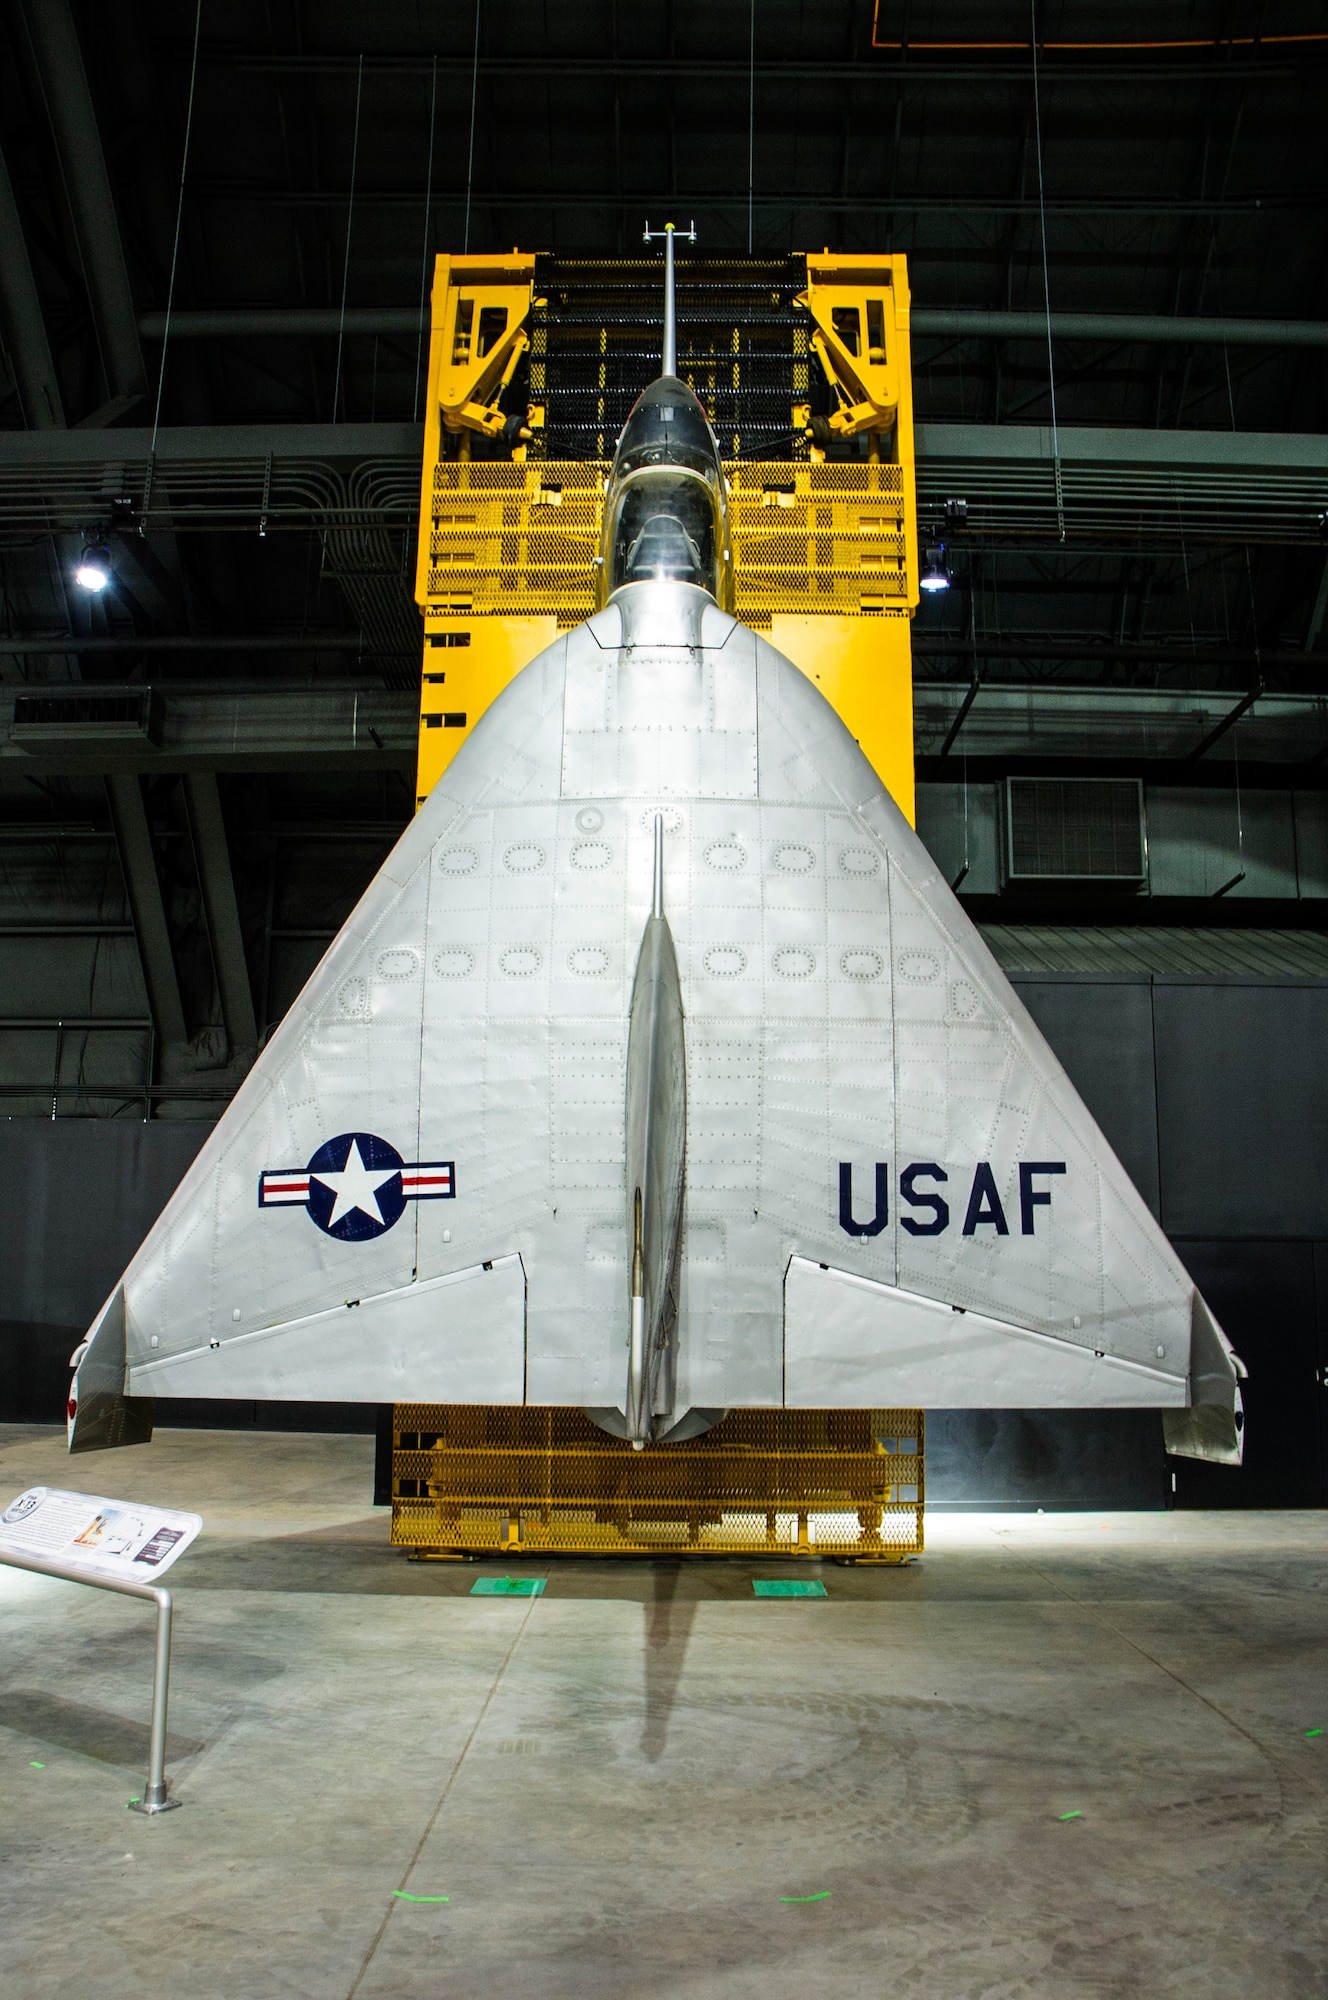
point(1218, 450)
point(555, 200)
point(1144, 729)
point(1175, 652)
point(26, 344)
point(180, 443)
point(1120, 487)
point(999, 443)
point(192, 642)
point(134, 840)
point(1224, 64)
point(229, 726)
point(64, 81)
point(216, 879)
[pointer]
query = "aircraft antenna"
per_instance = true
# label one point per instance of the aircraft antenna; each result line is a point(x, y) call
point(669, 232)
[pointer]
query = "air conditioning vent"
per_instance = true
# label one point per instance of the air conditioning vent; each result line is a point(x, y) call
point(1074, 829)
point(87, 715)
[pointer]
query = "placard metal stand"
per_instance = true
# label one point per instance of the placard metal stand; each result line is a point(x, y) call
point(155, 1798)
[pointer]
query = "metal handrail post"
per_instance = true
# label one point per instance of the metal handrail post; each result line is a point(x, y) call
point(155, 1797)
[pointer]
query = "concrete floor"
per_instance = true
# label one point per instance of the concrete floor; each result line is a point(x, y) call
point(618, 1783)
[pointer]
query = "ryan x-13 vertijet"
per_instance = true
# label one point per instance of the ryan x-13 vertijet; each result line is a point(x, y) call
point(657, 1073)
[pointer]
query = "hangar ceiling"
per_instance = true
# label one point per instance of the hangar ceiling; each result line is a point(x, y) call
point(1166, 203)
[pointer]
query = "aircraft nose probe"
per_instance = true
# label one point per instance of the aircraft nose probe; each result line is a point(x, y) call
point(670, 232)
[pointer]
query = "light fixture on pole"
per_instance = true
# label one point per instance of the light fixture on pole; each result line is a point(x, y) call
point(935, 575)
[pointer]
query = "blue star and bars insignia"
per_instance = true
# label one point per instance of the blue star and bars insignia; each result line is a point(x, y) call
point(356, 1186)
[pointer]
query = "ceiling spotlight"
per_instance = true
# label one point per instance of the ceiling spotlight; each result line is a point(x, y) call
point(935, 576)
point(93, 572)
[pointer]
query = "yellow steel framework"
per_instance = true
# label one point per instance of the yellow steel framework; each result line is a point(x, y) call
point(471, 1480)
point(479, 334)
point(859, 309)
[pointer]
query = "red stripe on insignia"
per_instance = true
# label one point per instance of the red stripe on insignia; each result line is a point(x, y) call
point(278, 1190)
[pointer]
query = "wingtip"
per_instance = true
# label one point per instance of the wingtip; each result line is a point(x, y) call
point(100, 1415)
point(1212, 1425)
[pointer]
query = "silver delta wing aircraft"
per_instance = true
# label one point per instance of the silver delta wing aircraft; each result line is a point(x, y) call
point(658, 1072)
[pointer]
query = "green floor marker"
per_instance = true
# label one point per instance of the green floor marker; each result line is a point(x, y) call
point(1308, 1732)
point(783, 1587)
point(819, 1897)
point(407, 1898)
point(508, 1586)
point(1073, 1815)
point(41, 1767)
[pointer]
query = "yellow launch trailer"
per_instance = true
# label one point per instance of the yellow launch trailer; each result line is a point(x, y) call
point(825, 564)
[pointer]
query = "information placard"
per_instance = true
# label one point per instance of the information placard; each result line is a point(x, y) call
point(123, 1538)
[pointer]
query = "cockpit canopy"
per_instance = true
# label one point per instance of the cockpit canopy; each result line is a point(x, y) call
point(665, 513)
point(667, 426)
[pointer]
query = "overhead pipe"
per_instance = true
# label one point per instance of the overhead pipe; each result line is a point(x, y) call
point(1165, 327)
point(272, 322)
point(1048, 646)
point(190, 642)
point(243, 322)
point(64, 80)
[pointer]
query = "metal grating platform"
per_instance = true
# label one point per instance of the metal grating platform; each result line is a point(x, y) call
point(742, 347)
point(806, 538)
point(468, 1479)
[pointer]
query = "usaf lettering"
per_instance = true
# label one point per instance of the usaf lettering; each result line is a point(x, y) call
point(931, 1211)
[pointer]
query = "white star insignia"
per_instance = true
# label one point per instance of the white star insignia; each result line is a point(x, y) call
point(355, 1187)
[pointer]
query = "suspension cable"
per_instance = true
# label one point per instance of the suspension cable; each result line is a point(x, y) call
point(179, 216)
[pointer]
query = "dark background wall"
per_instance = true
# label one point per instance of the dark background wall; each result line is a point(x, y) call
point(77, 1197)
point(1214, 1093)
